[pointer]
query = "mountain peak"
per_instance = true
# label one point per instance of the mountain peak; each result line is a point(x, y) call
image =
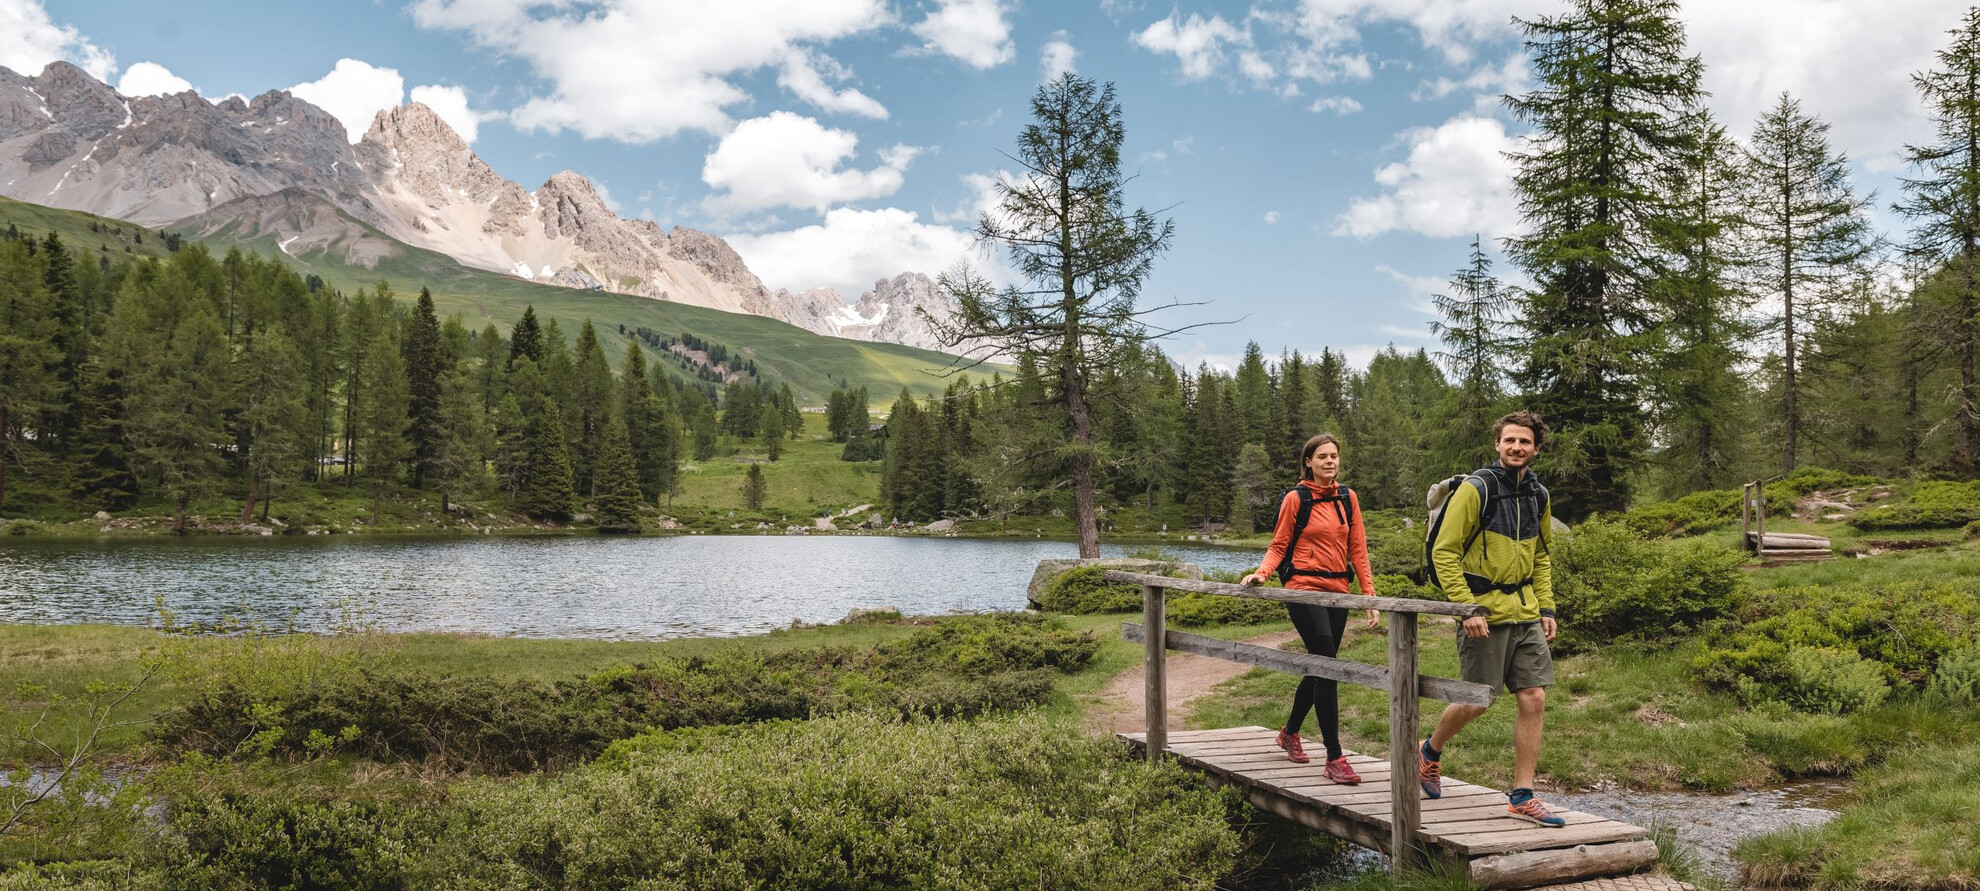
point(414, 123)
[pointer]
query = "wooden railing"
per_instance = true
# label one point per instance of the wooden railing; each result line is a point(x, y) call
point(1400, 677)
point(1753, 515)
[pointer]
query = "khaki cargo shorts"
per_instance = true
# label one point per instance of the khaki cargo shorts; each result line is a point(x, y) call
point(1514, 657)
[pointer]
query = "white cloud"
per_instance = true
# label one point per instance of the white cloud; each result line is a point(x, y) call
point(1488, 81)
point(1456, 181)
point(1057, 57)
point(1340, 105)
point(800, 74)
point(984, 198)
point(977, 32)
point(451, 104)
point(1198, 43)
point(1271, 218)
point(642, 70)
point(29, 40)
point(852, 249)
point(354, 92)
point(787, 160)
point(151, 79)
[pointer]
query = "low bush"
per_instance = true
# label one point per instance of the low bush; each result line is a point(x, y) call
point(1913, 517)
point(1902, 631)
point(1972, 530)
point(249, 838)
point(1832, 681)
point(1694, 514)
point(1086, 590)
point(1946, 495)
point(1611, 584)
point(958, 666)
point(849, 802)
point(1957, 677)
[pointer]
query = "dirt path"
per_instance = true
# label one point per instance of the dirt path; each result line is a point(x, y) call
point(1121, 703)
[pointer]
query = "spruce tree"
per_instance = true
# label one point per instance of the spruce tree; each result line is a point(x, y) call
point(1810, 234)
point(383, 420)
point(101, 472)
point(1254, 394)
point(1943, 202)
point(28, 354)
point(773, 435)
point(1611, 82)
point(617, 480)
point(547, 489)
point(1474, 315)
point(526, 340)
point(424, 358)
point(463, 435)
point(166, 342)
point(592, 396)
point(273, 415)
point(754, 488)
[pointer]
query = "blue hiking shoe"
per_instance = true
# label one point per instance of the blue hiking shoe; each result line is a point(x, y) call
point(1429, 774)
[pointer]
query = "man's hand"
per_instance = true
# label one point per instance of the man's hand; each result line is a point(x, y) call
point(1374, 619)
point(1547, 625)
point(1476, 626)
point(1251, 580)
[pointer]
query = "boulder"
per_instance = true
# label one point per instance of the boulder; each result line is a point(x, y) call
point(102, 516)
point(941, 526)
point(824, 525)
point(1041, 578)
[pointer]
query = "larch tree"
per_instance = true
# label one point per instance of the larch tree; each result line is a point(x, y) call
point(422, 354)
point(383, 420)
point(1082, 256)
point(1612, 82)
point(1809, 235)
point(1942, 199)
point(273, 416)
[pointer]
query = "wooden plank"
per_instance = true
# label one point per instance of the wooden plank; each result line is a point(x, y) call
point(1531, 868)
point(1315, 598)
point(1538, 838)
point(1154, 659)
point(1405, 817)
point(1442, 689)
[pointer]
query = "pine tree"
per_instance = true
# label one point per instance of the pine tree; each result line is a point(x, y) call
point(273, 415)
point(753, 488)
point(423, 356)
point(1083, 256)
point(618, 481)
point(1809, 233)
point(1474, 313)
point(1943, 202)
point(166, 342)
point(592, 398)
point(546, 489)
point(654, 431)
point(102, 474)
point(1251, 489)
point(28, 354)
point(1254, 394)
point(463, 435)
point(1612, 80)
point(773, 434)
point(384, 420)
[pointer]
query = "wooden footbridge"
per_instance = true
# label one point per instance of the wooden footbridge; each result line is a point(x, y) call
point(1467, 827)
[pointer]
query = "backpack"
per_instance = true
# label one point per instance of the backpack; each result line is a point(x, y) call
point(1344, 507)
point(1437, 498)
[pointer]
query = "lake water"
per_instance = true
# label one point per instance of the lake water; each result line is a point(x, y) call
point(607, 588)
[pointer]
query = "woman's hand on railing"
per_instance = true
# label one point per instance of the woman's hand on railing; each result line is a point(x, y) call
point(1374, 619)
point(1251, 581)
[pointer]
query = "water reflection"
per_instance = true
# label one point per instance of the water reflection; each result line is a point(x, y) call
point(606, 588)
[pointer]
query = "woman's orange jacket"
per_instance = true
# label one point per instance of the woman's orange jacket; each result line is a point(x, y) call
point(1325, 544)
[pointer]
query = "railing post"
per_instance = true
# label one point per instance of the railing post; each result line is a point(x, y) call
point(1746, 541)
point(1154, 660)
point(1405, 812)
point(1760, 515)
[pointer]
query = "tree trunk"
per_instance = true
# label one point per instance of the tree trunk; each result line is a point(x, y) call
point(377, 503)
point(254, 494)
point(6, 442)
point(179, 515)
point(1964, 460)
point(1082, 467)
point(443, 501)
point(265, 503)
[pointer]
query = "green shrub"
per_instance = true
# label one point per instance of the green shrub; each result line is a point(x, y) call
point(1085, 591)
point(1204, 610)
point(1957, 678)
point(1972, 530)
point(848, 802)
point(1610, 584)
point(1693, 514)
point(1902, 630)
point(1811, 479)
point(1398, 553)
point(1900, 518)
point(958, 666)
point(272, 837)
point(1832, 681)
point(1945, 495)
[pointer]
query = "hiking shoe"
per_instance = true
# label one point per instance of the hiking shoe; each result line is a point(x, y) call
point(1340, 771)
point(1429, 774)
point(1533, 811)
point(1295, 750)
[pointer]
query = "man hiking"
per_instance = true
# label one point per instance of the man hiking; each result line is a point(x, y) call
point(1489, 546)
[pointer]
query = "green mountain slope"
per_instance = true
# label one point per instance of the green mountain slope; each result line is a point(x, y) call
point(348, 254)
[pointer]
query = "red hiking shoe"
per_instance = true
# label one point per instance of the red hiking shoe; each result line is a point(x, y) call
point(1533, 811)
point(1295, 750)
point(1340, 771)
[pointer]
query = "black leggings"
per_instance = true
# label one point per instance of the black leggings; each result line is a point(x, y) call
point(1320, 629)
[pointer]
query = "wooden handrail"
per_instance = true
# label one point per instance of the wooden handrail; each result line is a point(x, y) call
point(1311, 598)
point(1346, 671)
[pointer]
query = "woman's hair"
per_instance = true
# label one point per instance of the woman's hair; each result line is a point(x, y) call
point(1306, 452)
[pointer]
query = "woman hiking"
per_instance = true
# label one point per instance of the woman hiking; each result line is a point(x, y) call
point(1318, 545)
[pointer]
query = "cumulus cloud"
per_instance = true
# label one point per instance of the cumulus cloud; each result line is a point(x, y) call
point(801, 74)
point(1340, 105)
point(1057, 57)
point(852, 249)
point(354, 92)
point(151, 79)
point(681, 56)
point(1271, 217)
point(1456, 181)
point(29, 40)
point(787, 160)
point(451, 104)
point(1196, 42)
point(977, 32)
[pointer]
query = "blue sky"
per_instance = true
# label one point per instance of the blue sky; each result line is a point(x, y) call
point(1326, 162)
